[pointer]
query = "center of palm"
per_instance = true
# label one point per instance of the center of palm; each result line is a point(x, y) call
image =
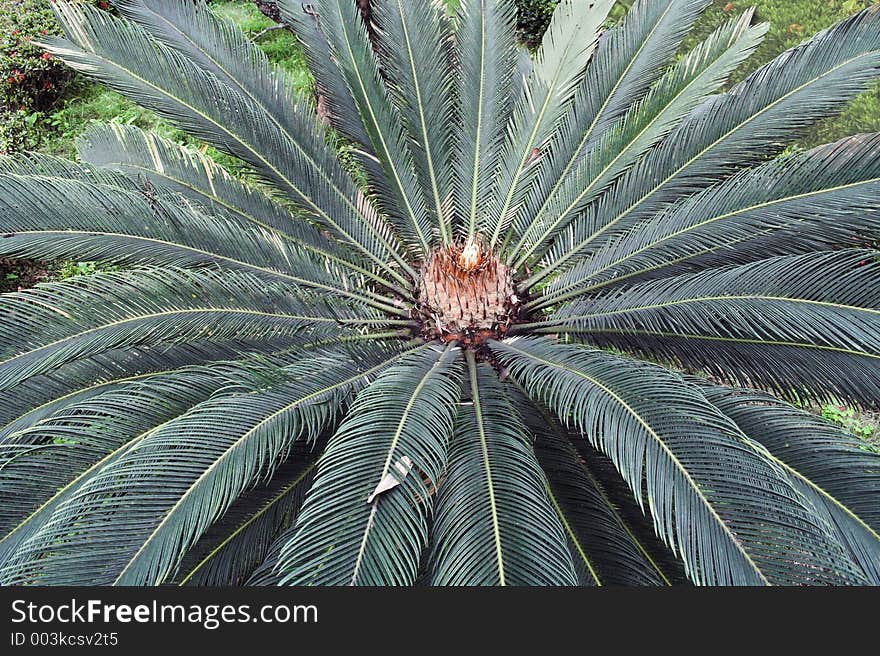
point(466, 294)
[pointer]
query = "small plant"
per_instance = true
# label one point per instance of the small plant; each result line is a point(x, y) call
point(17, 131)
point(73, 269)
point(850, 419)
point(69, 269)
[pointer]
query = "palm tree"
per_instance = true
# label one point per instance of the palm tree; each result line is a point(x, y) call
point(550, 320)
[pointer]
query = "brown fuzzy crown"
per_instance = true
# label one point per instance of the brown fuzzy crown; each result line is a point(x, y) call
point(466, 294)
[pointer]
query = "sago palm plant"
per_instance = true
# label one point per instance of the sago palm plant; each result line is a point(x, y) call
point(507, 319)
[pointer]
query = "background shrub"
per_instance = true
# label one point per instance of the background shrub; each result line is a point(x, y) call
point(534, 16)
point(31, 81)
point(31, 78)
point(17, 131)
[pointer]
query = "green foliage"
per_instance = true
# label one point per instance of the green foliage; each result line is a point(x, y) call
point(70, 269)
point(17, 131)
point(31, 80)
point(790, 22)
point(861, 115)
point(855, 422)
point(532, 19)
point(95, 104)
point(653, 254)
point(28, 129)
point(56, 131)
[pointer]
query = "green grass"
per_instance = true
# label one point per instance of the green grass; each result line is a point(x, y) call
point(792, 22)
point(97, 104)
point(280, 46)
point(93, 104)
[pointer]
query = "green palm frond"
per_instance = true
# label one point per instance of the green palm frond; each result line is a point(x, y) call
point(268, 572)
point(55, 217)
point(49, 166)
point(334, 100)
point(237, 545)
point(220, 48)
point(375, 480)
point(192, 468)
point(699, 74)
point(495, 523)
point(748, 123)
point(486, 47)
point(40, 396)
point(45, 463)
point(606, 550)
point(413, 41)
point(805, 201)
point(171, 169)
point(732, 514)
point(463, 318)
point(108, 224)
point(397, 191)
point(63, 322)
point(807, 324)
point(123, 56)
point(637, 523)
point(834, 470)
point(630, 58)
point(546, 97)
point(55, 453)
